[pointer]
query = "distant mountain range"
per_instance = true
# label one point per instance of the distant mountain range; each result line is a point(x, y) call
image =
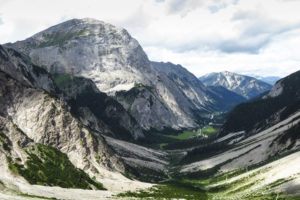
point(246, 86)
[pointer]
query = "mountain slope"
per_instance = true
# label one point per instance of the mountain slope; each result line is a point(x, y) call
point(38, 129)
point(274, 106)
point(30, 115)
point(188, 83)
point(228, 99)
point(19, 66)
point(97, 110)
point(206, 98)
point(246, 86)
point(114, 61)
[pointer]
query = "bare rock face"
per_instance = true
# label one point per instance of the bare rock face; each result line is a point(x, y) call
point(44, 118)
point(20, 67)
point(188, 83)
point(114, 61)
point(92, 49)
point(30, 115)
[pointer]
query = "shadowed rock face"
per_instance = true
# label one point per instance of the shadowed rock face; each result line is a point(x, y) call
point(97, 110)
point(114, 61)
point(20, 68)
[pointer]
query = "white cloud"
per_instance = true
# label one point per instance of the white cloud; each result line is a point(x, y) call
point(259, 37)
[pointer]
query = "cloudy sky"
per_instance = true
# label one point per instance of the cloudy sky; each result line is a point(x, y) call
point(260, 37)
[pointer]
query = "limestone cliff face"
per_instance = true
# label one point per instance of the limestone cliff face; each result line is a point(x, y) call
point(43, 118)
point(31, 115)
point(20, 67)
point(114, 61)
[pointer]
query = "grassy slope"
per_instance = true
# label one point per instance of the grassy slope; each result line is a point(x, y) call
point(216, 187)
point(209, 130)
point(48, 166)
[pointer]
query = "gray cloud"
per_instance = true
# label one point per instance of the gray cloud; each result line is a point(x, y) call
point(250, 46)
point(229, 46)
point(255, 30)
point(216, 8)
point(242, 15)
point(183, 6)
point(258, 29)
point(137, 21)
point(252, 38)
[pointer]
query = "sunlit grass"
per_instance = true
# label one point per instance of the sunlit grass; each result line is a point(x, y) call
point(184, 136)
point(208, 130)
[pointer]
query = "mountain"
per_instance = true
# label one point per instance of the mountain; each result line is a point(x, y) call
point(268, 79)
point(118, 66)
point(210, 98)
point(246, 86)
point(51, 135)
point(33, 122)
point(269, 109)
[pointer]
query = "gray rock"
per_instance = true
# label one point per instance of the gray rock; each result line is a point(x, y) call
point(246, 86)
point(114, 61)
point(29, 115)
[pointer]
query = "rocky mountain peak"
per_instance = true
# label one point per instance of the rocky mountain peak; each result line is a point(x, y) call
point(114, 61)
point(227, 73)
point(86, 26)
point(246, 86)
point(88, 47)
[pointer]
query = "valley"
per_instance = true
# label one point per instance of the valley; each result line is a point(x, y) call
point(86, 115)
